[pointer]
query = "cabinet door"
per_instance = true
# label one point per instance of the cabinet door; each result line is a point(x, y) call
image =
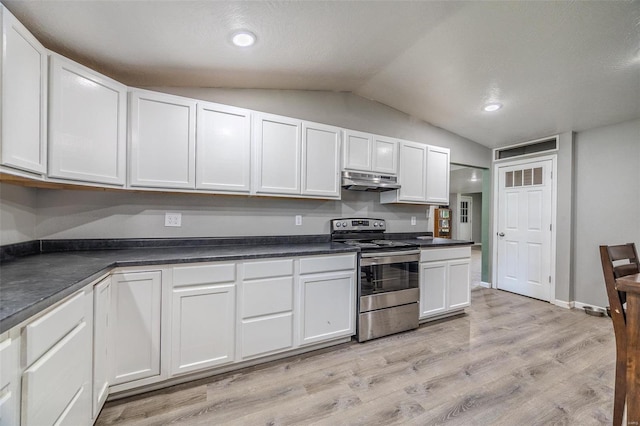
point(135, 326)
point(162, 140)
point(320, 160)
point(87, 127)
point(24, 97)
point(357, 150)
point(437, 178)
point(277, 144)
point(328, 306)
point(385, 155)
point(202, 327)
point(433, 288)
point(101, 367)
point(223, 154)
point(459, 283)
point(9, 381)
point(412, 176)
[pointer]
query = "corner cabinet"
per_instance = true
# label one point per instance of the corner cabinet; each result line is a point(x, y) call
point(162, 140)
point(87, 124)
point(445, 287)
point(365, 152)
point(135, 325)
point(23, 91)
point(292, 157)
point(223, 155)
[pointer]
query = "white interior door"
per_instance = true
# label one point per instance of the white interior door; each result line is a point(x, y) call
point(525, 194)
point(465, 214)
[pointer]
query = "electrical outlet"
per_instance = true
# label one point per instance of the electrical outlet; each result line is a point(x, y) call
point(298, 220)
point(413, 220)
point(173, 219)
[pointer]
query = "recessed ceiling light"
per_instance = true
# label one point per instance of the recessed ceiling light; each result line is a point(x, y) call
point(492, 107)
point(243, 38)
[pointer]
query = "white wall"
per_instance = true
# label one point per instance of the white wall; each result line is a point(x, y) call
point(96, 214)
point(607, 201)
point(17, 214)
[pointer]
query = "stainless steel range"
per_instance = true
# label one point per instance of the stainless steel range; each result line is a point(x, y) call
point(388, 290)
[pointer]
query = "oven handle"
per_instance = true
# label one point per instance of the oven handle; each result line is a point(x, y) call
point(389, 257)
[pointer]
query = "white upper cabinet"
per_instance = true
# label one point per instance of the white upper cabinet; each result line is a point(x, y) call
point(423, 175)
point(365, 152)
point(357, 150)
point(320, 160)
point(87, 124)
point(277, 144)
point(223, 155)
point(162, 140)
point(412, 177)
point(292, 157)
point(23, 89)
point(438, 175)
point(385, 155)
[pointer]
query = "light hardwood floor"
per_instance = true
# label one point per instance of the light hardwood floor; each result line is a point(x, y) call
point(509, 360)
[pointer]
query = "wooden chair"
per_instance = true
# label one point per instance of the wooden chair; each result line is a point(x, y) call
point(614, 266)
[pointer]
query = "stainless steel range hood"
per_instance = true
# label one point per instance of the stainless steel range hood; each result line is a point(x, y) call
point(369, 182)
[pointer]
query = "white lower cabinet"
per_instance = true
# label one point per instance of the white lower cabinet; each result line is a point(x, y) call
point(444, 281)
point(203, 302)
point(328, 298)
point(135, 326)
point(101, 350)
point(266, 307)
point(9, 379)
point(56, 387)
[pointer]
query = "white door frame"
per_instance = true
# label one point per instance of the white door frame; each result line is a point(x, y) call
point(554, 203)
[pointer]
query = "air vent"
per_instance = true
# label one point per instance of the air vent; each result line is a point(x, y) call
point(541, 145)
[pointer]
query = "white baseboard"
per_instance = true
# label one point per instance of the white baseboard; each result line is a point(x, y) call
point(485, 285)
point(563, 304)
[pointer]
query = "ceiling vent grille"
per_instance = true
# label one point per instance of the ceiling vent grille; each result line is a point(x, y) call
point(534, 147)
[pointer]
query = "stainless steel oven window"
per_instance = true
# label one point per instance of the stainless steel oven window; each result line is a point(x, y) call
point(387, 273)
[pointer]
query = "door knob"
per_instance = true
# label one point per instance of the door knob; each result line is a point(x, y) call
point(501, 234)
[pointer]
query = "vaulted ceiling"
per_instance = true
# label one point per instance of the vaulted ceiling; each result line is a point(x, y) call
point(554, 66)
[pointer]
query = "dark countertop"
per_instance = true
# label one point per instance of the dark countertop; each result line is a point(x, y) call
point(31, 283)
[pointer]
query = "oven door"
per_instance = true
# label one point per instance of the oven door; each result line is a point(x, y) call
point(388, 272)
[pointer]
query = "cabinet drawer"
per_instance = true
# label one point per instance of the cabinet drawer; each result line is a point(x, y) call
point(428, 255)
point(264, 335)
point(53, 384)
point(263, 297)
point(268, 269)
point(204, 274)
point(47, 330)
point(8, 361)
point(311, 265)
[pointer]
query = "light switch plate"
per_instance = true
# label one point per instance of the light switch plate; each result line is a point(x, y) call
point(413, 220)
point(298, 220)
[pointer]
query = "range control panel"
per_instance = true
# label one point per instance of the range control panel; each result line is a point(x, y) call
point(355, 224)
